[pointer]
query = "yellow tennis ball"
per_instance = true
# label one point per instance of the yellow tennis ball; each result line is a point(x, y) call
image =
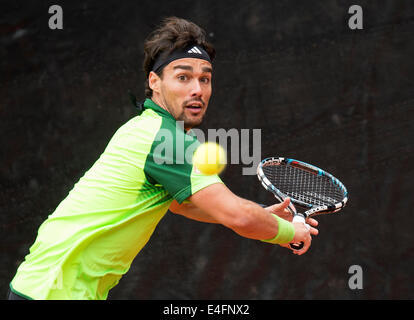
point(210, 158)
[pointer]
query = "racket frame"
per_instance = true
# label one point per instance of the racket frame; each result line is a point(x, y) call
point(312, 210)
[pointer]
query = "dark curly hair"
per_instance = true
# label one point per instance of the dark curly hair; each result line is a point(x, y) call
point(173, 33)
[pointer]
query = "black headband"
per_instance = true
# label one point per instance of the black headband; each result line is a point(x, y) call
point(193, 51)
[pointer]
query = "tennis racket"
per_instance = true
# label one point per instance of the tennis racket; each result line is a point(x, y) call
point(309, 187)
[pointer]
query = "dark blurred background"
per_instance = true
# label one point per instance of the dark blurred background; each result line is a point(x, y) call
point(322, 93)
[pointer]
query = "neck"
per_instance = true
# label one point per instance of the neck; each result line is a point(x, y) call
point(160, 102)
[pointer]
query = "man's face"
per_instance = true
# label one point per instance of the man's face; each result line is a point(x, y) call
point(184, 89)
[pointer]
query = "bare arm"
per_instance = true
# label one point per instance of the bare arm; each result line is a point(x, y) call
point(189, 210)
point(217, 204)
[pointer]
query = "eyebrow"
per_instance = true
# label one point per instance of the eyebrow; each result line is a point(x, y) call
point(207, 69)
point(190, 68)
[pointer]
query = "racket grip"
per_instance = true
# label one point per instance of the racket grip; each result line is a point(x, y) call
point(298, 218)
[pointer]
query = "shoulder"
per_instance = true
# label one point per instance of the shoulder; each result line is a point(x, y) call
point(138, 130)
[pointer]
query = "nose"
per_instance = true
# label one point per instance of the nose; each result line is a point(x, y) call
point(196, 89)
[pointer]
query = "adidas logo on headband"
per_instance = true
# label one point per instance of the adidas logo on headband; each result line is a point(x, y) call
point(194, 50)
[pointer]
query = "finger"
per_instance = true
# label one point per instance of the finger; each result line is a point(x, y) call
point(305, 247)
point(312, 222)
point(301, 251)
point(279, 206)
point(314, 231)
point(285, 202)
point(283, 205)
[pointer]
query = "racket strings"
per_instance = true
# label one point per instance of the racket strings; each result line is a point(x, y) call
point(303, 186)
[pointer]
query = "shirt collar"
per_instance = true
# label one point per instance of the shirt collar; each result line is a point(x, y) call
point(148, 103)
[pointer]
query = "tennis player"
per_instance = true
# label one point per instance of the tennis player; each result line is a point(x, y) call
point(90, 240)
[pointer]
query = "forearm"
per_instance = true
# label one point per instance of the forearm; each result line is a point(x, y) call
point(252, 220)
point(252, 224)
point(256, 222)
point(217, 204)
point(244, 217)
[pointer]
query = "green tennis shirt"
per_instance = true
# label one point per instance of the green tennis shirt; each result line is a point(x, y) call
point(90, 240)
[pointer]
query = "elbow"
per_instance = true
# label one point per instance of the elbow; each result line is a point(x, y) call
point(176, 208)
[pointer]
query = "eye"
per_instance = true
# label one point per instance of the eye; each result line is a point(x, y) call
point(182, 77)
point(205, 80)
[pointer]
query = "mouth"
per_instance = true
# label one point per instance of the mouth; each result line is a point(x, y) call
point(194, 107)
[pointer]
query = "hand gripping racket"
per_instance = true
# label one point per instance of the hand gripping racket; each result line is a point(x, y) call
point(309, 187)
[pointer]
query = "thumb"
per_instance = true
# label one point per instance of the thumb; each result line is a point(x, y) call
point(280, 206)
point(283, 205)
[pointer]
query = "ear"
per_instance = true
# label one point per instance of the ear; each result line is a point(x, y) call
point(154, 81)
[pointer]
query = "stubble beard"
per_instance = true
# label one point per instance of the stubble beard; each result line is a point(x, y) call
point(189, 122)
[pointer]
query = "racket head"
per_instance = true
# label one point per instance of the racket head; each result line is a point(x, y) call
point(309, 187)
